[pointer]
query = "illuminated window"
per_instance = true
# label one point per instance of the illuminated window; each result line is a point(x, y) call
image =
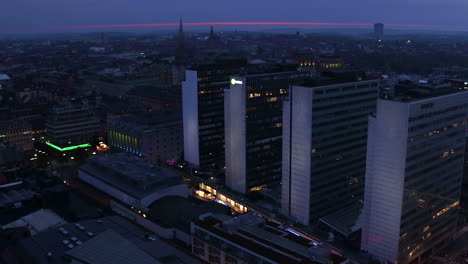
point(257, 188)
point(252, 95)
point(272, 99)
point(447, 153)
point(446, 209)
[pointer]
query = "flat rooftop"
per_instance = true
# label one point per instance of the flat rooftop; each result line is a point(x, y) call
point(179, 212)
point(148, 121)
point(266, 239)
point(335, 78)
point(115, 237)
point(414, 97)
point(4, 77)
point(38, 221)
point(14, 196)
point(108, 248)
point(346, 220)
point(133, 175)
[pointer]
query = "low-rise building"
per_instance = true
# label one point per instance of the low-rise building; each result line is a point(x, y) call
point(175, 214)
point(248, 239)
point(132, 180)
point(110, 239)
point(5, 82)
point(38, 221)
point(156, 136)
point(18, 133)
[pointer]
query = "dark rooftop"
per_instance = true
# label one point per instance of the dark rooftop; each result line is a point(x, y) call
point(36, 248)
point(280, 248)
point(179, 212)
point(131, 174)
point(153, 118)
point(335, 77)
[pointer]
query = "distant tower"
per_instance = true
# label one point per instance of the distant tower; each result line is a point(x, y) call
point(211, 32)
point(378, 30)
point(104, 36)
point(180, 57)
point(213, 40)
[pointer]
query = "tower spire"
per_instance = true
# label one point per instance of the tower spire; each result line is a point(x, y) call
point(181, 27)
point(180, 52)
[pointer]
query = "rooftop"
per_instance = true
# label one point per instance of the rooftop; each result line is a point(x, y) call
point(103, 235)
point(179, 212)
point(279, 72)
point(423, 89)
point(265, 239)
point(220, 64)
point(148, 120)
point(108, 248)
point(335, 78)
point(15, 196)
point(346, 220)
point(133, 175)
point(38, 221)
point(4, 77)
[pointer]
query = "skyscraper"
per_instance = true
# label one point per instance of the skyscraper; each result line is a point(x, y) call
point(324, 145)
point(378, 30)
point(413, 176)
point(203, 112)
point(253, 128)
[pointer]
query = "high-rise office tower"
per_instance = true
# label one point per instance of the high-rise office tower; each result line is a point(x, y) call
point(465, 171)
point(378, 30)
point(413, 176)
point(203, 112)
point(253, 128)
point(324, 145)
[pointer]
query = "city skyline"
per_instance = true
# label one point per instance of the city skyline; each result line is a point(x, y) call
point(30, 14)
point(234, 133)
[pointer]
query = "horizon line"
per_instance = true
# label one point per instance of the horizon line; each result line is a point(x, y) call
point(77, 27)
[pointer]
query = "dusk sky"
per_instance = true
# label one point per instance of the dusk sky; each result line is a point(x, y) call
point(448, 14)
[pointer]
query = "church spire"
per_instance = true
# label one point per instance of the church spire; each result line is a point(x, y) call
point(180, 52)
point(181, 27)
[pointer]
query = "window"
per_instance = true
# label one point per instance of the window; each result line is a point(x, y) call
point(229, 260)
point(425, 106)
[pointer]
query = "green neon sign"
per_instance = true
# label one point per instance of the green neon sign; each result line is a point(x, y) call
point(234, 81)
point(68, 148)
